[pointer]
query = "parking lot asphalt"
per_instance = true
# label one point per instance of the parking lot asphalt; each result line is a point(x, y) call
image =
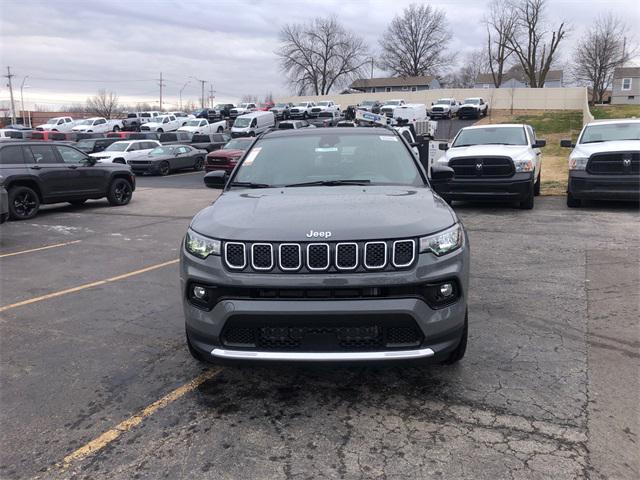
point(97, 381)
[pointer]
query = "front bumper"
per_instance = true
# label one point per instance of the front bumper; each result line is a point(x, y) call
point(512, 188)
point(583, 185)
point(140, 169)
point(441, 328)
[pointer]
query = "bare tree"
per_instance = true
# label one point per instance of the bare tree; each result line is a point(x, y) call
point(249, 98)
point(474, 64)
point(530, 41)
point(320, 55)
point(268, 98)
point(500, 24)
point(104, 104)
point(415, 43)
point(599, 52)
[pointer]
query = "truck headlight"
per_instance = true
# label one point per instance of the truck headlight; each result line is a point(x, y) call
point(444, 242)
point(523, 165)
point(578, 163)
point(201, 246)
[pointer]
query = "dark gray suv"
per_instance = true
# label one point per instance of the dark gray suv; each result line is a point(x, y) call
point(326, 244)
point(36, 173)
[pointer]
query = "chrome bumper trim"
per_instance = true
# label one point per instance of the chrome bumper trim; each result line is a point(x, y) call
point(322, 356)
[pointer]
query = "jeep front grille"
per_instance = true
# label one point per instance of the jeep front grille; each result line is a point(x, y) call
point(314, 257)
point(614, 163)
point(482, 166)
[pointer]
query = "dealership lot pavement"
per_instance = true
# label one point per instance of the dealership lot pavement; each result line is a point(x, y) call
point(97, 381)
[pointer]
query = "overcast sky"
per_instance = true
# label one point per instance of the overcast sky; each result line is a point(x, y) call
point(71, 49)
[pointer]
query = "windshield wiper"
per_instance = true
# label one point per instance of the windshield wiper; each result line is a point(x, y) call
point(465, 145)
point(329, 183)
point(595, 141)
point(250, 185)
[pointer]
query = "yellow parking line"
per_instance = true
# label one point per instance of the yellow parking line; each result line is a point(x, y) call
point(86, 285)
point(40, 248)
point(109, 436)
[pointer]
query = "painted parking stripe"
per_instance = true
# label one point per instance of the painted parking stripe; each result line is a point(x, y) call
point(39, 249)
point(86, 286)
point(109, 436)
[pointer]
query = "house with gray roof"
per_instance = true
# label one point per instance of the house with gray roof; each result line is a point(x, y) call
point(515, 78)
point(396, 84)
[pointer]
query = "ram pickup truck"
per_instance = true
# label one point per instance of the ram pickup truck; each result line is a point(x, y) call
point(324, 106)
point(311, 261)
point(327, 118)
point(242, 109)
point(493, 162)
point(473, 107)
point(605, 162)
point(175, 138)
point(281, 110)
point(165, 123)
point(201, 125)
point(444, 108)
point(210, 142)
point(372, 106)
point(57, 124)
point(124, 150)
point(389, 106)
point(301, 110)
point(97, 125)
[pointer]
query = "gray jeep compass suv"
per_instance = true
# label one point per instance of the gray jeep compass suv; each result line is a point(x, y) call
point(326, 244)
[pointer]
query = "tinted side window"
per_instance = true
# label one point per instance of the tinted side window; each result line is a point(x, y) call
point(218, 137)
point(70, 155)
point(43, 154)
point(11, 156)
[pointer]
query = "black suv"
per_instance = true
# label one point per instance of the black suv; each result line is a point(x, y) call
point(36, 173)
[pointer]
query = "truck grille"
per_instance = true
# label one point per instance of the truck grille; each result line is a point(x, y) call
point(321, 334)
point(316, 109)
point(467, 111)
point(313, 257)
point(614, 163)
point(437, 109)
point(388, 111)
point(469, 167)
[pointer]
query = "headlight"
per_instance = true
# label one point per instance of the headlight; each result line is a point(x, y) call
point(201, 246)
point(523, 165)
point(578, 163)
point(443, 242)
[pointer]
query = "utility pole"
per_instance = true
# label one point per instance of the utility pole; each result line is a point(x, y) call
point(202, 82)
point(13, 106)
point(211, 94)
point(181, 90)
point(371, 67)
point(22, 98)
point(161, 85)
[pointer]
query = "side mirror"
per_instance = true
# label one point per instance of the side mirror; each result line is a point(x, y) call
point(441, 173)
point(567, 144)
point(540, 144)
point(215, 179)
point(91, 161)
point(443, 146)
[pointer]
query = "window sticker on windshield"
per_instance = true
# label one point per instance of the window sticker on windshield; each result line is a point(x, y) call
point(326, 149)
point(252, 155)
point(388, 138)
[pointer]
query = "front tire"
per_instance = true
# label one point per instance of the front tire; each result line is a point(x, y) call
point(458, 353)
point(527, 203)
point(24, 203)
point(120, 192)
point(164, 168)
point(573, 202)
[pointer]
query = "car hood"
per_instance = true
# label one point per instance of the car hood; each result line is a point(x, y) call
point(469, 105)
point(513, 151)
point(227, 153)
point(588, 149)
point(152, 158)
point(288, 214)
point(105, 154)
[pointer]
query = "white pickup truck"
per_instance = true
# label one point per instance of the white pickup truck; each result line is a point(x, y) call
point(389, 106)
point(444, 108)
point(57, 124)
point(242, 109)
point(301, 110)
point(493, 162)
point(201, 126)
point(163, 123)
point(324, 106)
point(97, 125)
point(473, 107)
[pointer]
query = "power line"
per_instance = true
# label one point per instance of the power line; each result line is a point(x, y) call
point(91, 80)
point(9, 75)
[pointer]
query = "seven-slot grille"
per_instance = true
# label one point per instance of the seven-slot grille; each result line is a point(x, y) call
point(614, 163)
point(319, 256)
point(482, 166)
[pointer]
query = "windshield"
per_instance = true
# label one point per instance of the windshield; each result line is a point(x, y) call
point(376, 158)
point(472, 101)
point(443, 101)
point(491, 136)
point(132, 115)
point(323, 104)
point(53, 120)
point(242, 122)
point(244, 105)
point(366, 103)
point(85, 122)
point(161, 151)
point(237, 144)
point(611, 132)
point(159, 119)
point(194, 123)
point(393, 102)
point(117, 147)
point(303, 104)
point(280, 105)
